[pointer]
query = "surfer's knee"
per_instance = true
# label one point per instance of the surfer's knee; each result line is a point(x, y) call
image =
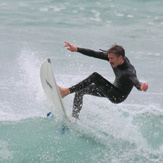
point(95, 74)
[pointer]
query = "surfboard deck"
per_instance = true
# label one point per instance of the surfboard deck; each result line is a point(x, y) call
point(51, 89)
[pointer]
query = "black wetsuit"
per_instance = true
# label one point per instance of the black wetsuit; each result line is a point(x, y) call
point(96, 85)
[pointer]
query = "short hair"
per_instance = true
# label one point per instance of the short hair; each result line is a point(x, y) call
point(117, 50)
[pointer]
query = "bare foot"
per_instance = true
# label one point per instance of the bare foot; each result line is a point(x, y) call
point(63, 91)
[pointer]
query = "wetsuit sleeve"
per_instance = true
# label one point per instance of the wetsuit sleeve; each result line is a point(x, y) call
point(92, 53)
point(135, 81)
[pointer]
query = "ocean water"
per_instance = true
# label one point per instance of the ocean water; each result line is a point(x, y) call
point(32, 31)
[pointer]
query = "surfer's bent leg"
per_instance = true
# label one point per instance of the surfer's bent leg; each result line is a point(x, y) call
point(86, 82)
point(78, 99)
point(96, 85)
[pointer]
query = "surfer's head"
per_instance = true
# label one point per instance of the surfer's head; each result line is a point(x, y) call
point(116, 55)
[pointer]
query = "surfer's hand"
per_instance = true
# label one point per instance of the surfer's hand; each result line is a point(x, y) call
point(144, 86)
point(70, 47)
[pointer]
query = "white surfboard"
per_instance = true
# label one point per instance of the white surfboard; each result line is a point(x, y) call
point(51, 89)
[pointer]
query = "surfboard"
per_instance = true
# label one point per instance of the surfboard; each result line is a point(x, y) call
point(51, 89)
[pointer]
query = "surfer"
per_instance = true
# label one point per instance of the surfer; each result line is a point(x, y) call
point(95, 84)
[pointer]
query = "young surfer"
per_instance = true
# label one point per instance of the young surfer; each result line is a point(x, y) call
point(95, 84)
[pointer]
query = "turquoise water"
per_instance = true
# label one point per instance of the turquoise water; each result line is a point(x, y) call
point(32, 31)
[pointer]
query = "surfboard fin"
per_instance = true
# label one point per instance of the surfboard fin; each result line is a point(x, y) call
point(49, 114)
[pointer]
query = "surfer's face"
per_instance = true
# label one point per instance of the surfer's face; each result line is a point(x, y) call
point(114, 60)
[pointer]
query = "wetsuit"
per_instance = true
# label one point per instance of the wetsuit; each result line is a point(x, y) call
point(95, 84)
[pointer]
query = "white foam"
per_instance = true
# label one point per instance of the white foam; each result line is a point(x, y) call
point(96, 16)
point(105, 120)
point(130, 16)
point(23, 96)
point(5, 153)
